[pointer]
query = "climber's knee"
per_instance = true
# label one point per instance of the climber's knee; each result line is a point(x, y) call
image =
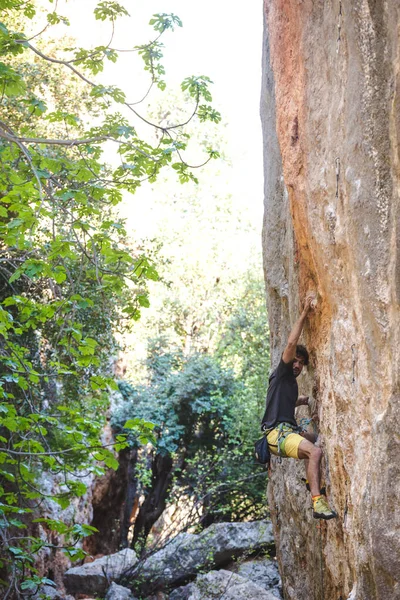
point(309, 450)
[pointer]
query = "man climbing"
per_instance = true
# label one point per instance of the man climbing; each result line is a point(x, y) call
point(279, 423)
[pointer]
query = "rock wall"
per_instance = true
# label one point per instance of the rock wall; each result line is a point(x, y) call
point(330, 112)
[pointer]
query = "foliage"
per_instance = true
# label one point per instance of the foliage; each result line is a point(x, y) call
point(186, 397)
point(206, 409)
point(231, 487)
point(210, 302)
point(70, 275)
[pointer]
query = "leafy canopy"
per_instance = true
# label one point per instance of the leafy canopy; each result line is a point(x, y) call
point(70, 275)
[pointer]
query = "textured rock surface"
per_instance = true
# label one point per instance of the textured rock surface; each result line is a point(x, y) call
point(330, 111)
point(221, 584)
point(94, 578)
point(49, 592)
point(118, 592)
point(188, 553)
point(263, 572)
point(52, 562)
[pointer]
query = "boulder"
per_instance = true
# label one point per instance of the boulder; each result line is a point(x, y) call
point(95, 577)
point(118, 592)
point(221, 584)
point(263, 572)
point(48, 592)
point(187, 553)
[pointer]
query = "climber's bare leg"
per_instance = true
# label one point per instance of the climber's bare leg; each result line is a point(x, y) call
point(313, 455)
point(311, 437)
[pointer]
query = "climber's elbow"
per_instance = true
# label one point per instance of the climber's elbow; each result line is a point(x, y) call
point(289, 353)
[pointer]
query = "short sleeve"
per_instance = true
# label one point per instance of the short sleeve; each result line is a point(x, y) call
point(284, 369)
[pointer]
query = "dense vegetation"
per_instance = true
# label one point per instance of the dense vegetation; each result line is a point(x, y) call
point(73, 281)
point(70, 275)
point(205, 405)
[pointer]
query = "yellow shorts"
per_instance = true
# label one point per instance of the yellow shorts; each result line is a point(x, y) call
point(289, 447)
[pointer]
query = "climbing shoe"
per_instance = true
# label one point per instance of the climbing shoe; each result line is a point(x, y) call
point(321, 509)
point(322, 490)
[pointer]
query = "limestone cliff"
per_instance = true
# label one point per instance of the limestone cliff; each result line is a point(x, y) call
point(330, 111)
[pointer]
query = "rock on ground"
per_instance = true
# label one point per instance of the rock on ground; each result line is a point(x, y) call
point(187, 553)
point(94, 578)
point(118, 592)
point(48, 592)
point(221, 584)
point(263, 572)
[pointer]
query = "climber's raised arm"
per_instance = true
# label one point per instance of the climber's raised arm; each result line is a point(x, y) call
point(289, 354)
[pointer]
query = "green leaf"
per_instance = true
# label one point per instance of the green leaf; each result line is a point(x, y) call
point(63, 501)
point(29, 584)
point(74, 553)
point(132, 423)
point(143, 301)
point(163, 21)
point(53, 524)
point(11, 82)
point(82, 530)
point(109, 10)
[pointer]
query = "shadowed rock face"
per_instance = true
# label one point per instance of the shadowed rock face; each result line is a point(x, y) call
point(330, 111)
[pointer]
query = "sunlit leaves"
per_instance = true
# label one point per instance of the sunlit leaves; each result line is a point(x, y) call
point(197, 87)
point(11, 82)
point(207, 113)
point(151, 55)
point(61, 116)
point(54, 18)
point(163, 21)
point(93, 59)
point(111, 90)
point(184, 173)
point(109, 10)
point(70, 276)
point(8, 43)
point(28, 8)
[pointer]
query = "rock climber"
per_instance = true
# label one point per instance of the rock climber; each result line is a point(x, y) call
point(285, 437)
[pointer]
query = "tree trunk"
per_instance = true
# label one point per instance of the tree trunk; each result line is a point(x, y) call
point(155, 502)
point(130, 498)
point(110, 507)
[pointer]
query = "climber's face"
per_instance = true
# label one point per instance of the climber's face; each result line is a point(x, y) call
point(298, 365)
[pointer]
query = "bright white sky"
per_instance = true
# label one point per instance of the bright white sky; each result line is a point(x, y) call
point(218, 39)
point(225, 43)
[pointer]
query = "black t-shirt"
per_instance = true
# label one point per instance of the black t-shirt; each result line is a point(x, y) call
point(281, 396)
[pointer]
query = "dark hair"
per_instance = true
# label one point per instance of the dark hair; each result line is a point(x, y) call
point(302, 351)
